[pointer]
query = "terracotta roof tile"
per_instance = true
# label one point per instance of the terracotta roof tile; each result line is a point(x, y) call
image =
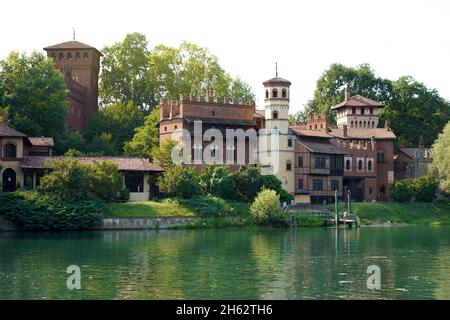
point(302, 131)
point(378, 133)
point(6, 131)
point(358, 101)
point(321, 147)
point(260, 114)
point(277, 80)
point(41, 141)
point(123, 163)
point(70, 45)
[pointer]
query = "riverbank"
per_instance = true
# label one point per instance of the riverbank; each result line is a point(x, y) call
point(418, 213)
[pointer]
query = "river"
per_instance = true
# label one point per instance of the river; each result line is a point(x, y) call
point(246, 263)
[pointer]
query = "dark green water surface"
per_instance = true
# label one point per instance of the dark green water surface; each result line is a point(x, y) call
point(246, 263)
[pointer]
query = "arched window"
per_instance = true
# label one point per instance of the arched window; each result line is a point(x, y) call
point(274, 93)
point(348, 165)
point(10, 151)
point(267, 94)
point(360, 124)
point(364, 124)
point(275, 115)
point(284, 93)
point(213, 113)
point(373, 124)
point(351, 124)
point(315, 126)
point(360, 165)
point(369, 165)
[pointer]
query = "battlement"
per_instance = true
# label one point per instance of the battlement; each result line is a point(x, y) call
point(317, 121)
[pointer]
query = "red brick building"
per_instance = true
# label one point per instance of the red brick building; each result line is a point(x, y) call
point(80, 65)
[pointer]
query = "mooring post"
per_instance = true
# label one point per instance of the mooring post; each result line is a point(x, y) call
point(336, 208)
point(349, 204)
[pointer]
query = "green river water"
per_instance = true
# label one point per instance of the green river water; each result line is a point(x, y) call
point(245, 263)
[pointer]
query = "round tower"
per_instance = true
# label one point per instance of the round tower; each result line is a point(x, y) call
point(276, 103)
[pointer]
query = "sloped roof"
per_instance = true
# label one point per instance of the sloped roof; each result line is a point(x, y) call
point(6, 131)
point(413, 153)
point(260, 114)
point(321, 147)
point(41, 141)
point(221, 121)
point(277, 80)
point(302, 131)
point(123, 163)
point(358, 101)
point(70, 45)
point(364, 133)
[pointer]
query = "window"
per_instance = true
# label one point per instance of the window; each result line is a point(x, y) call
point(213, 113)
point(315, 126)
point(165, 128)
point(373, 124)
point(61, 56)
point(274, 93)
point(284, 93)
point(300, 162)
point(176, 127)
point(364, 124)
point(319, 162)
point(317, 185)
point(380, 157)
point(370, 190)
point(369, 165)
point(75, 79)
point(353, 111)
point(335, 185)
point(275, 115)
point(69, 56)
point(371, 110)
point(348, 165)
point(290, 143)
point(288, 166)
point(134, 181)
point(85, 56)
point(9, 151)
point(360, 165)
point(267, 94)
point(77, 56)
point(300, 184)
point(351, 124)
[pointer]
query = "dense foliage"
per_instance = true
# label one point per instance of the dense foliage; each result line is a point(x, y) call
point(179, 181)
point(207, 206)
point(44, 211)
point(441, 159)
point(266, 206)
point(422, 189)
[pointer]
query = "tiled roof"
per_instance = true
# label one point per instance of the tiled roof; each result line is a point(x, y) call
point(302, 131)
point(70, 45)
point(6, 131)
point(123, 163)
point(358, 101)
point(260, 114)
point(321, 147)
point(41, 141)
point(378, 133)
point(277, 80)
point(221, 121)
point(413, 153)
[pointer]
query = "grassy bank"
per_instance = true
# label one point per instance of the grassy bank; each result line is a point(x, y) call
point(166, 208)
point(412, 213)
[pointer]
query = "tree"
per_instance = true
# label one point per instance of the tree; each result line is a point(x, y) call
point(273, 183)
point(117, 120)
point(179, 181)
point(298, 117)
point(146, 137)
point(415, 111)
point(125, 74)
point(162, 155)
point(266, 205)
point(247, 182)
point(33, 92)
point(102, 144)
point(105, 180)
point(441, 159)
point(361, 80)
point(216, 180)
point(192, 70)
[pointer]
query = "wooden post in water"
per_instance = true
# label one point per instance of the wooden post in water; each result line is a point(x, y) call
point(349, 205)
point(336, 208)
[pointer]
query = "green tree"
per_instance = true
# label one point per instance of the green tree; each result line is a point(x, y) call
point(216, 180)
point(361, 80)
point(146, 137)
point(105, 180)
point(162, 155)
point(414, 111)
point(33, 92)
point(441, 159)
point(118, 120)
point(179, 181)
point(102, 144)
point(298, 117)
point(247, 182)
point(125, 74)
point(266, 205)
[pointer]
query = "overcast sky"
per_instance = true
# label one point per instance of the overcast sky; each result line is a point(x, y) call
point(395, 37)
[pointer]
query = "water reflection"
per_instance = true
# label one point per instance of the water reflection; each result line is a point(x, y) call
point(247, 263)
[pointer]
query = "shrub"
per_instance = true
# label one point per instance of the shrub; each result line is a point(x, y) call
point(273, 183)
point(266, 205)
point(216, 180)
point(43, 211)
point(422, 189)
point(105, 180)
point(179, 181)
point(401, 191)
point(247, 182)
point(207, 206)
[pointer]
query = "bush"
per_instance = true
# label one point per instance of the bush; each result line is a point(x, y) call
point(179, 181)
point(216, 180)
point(422, 189)
point(266, 206)
point(207, 206)
point(247, 182)
point(105, 181)
point(273, 183)
point(43, 211)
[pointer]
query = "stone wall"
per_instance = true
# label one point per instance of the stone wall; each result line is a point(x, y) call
point(144, 223)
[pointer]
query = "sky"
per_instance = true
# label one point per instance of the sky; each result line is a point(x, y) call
point(396, 37)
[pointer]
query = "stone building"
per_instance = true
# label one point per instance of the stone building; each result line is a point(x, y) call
point(80, 64)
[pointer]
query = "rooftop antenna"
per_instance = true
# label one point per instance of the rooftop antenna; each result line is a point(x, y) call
point(73, 30)
point(276, 69)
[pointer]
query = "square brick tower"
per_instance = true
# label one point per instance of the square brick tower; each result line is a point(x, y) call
point(80, 65)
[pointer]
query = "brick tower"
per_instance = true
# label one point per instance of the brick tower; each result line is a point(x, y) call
point(80, 65)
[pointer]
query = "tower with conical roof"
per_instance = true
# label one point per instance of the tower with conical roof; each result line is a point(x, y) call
point(276, 103)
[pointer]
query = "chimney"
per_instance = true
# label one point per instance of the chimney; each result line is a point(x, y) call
point(345, 130)
point(347, 92)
